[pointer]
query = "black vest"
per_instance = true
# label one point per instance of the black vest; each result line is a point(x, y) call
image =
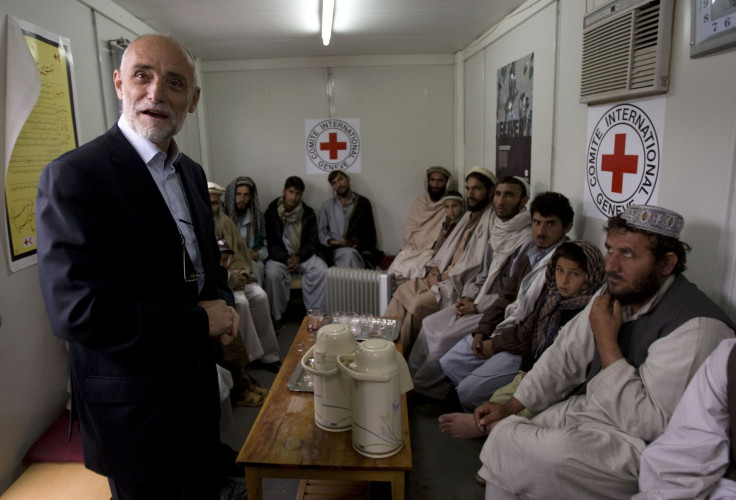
point(682, 302)
point(731, 393)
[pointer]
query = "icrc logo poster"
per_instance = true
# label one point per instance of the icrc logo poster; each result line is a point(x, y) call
point(623, 156)
point(333, 144)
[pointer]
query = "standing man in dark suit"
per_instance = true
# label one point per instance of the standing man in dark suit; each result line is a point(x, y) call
point(130, 275)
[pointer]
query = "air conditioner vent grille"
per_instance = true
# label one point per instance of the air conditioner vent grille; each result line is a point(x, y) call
point(626, 53)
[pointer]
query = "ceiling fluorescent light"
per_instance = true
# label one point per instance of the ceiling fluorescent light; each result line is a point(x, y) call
point(328, 11)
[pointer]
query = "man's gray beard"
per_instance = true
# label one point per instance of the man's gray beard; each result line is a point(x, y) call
point(152, 133)
point(156, 135)
point(217, 218)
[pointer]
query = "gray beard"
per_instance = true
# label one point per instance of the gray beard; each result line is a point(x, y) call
point(217, 218)
point(155, 135)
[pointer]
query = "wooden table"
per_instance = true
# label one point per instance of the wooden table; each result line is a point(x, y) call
point(285, 442)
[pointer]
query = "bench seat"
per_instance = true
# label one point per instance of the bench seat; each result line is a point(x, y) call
point(60, 481)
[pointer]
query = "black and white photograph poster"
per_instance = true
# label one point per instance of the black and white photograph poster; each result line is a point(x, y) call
point(514, 118)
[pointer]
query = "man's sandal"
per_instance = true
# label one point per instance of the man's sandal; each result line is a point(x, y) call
point(260, 390)
point(249, 399)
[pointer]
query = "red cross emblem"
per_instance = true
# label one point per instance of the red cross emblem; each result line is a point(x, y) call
point(619, 163)
point(333, 146)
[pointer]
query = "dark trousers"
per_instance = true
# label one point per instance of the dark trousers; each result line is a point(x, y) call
point(165, 488)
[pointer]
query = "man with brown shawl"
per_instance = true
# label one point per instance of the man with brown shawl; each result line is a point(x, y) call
point(458, 261)
point(423, 226)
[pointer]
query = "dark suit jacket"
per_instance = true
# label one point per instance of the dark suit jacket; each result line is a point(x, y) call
point(144, 383)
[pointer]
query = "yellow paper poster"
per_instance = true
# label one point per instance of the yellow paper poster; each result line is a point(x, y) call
point(48, 131)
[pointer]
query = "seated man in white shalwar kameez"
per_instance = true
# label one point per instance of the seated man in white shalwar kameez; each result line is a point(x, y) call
point(610, 382)
point(693, 458)
point(441, 330)
point(489, 355)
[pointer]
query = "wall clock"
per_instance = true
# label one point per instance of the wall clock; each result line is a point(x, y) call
point(713, 26)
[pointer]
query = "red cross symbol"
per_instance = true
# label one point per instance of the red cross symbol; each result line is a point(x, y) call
point(619, 163)
point(333, 146)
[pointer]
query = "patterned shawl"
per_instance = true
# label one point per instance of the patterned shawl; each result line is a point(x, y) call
point(548, 321)
point(294, 220)
point(506, 238)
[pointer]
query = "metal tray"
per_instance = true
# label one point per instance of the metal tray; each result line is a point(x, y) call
point(301, 380)
point(380, 328)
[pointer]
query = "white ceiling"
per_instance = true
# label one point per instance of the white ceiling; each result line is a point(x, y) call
point(261, 29)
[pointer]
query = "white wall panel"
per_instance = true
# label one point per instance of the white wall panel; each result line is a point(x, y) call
point(475, 126)
point(572, 121)
point(696, 176)
point(697, 172)
point(406, 126)
point(535, 34)
point(33, 363)
point(698, 161)
point(255, 121)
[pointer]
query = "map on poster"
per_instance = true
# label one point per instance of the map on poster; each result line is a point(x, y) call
point(514, 118)
point(623, 156)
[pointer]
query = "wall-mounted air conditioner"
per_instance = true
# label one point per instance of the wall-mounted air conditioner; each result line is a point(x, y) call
point(626, 50)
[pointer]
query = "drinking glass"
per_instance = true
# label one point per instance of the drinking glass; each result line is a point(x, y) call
point(351, 321)
point(314, 322)
point(365, 324)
